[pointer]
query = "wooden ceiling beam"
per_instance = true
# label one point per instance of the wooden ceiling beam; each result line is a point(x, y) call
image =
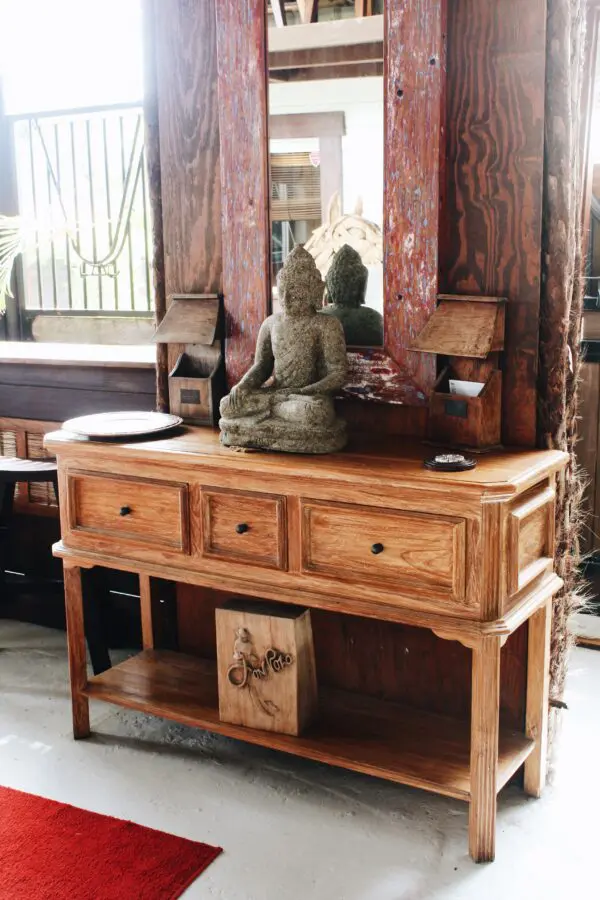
point(279, 14)
point(326, 56)
point(322, 73)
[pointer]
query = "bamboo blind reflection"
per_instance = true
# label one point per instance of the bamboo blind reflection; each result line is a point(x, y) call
point(295, 188)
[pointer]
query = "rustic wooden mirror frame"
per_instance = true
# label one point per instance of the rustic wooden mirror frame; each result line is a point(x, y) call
point(414, 83)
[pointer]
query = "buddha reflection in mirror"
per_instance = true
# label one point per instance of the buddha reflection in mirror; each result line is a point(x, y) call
point(326, 153)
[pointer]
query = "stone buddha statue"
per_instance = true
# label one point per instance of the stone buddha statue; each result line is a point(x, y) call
point(285, 401)
point(346, 283)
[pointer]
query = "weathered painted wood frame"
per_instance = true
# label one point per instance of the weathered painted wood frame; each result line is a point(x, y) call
point(414, 74)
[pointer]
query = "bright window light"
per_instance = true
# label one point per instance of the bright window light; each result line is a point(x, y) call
point(62, 54)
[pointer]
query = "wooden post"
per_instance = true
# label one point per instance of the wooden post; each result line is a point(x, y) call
point(309, 11)
point(485, 707)
point(363, 8)
point(152, 152)
point(159, 613)
point(538, 681)
point(146, 611)
point(76, 651)
point(242, 106)
point(278, 10)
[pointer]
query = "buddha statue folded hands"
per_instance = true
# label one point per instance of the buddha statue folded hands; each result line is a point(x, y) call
point(285, 401)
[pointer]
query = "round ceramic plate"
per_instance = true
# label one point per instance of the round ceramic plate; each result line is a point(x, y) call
point(122, 424)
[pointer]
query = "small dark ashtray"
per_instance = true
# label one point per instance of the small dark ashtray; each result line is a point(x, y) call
point(449, 462)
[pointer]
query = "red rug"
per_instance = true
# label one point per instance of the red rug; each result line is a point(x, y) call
point(51, 851)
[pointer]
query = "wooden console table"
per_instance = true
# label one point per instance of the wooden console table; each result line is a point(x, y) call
point(366, 532)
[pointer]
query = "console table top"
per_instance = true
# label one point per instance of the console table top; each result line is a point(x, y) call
point(394, 462)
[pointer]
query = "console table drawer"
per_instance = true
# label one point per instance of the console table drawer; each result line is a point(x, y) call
point(243, 526)
point(384, 546)
point(128, 509)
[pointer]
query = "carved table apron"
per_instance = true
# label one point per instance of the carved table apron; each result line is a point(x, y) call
point(367, 532)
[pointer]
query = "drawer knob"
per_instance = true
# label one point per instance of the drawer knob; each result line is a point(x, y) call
point(377, 548)
point(125, 511)
point(242, 528)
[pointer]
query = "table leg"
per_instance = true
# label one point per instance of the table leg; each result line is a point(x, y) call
point(485, 708)
point(538, 681)
point(7, 494)
point(146, 606)
point(95, 597)
point(77, 651)
point(158, 604)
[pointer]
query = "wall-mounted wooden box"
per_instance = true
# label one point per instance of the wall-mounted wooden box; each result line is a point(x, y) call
point(197, 381)
point(469, 332)
point(266, 666)
point(470, 422)
point(195, 389)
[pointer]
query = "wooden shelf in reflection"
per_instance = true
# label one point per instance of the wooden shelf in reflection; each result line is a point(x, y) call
point(406, 745)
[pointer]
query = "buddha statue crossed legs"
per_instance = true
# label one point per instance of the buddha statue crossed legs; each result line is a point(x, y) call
point(285, 401)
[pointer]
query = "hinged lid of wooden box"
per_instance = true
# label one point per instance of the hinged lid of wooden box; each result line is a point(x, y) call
point(464, 326)
point(190, 319)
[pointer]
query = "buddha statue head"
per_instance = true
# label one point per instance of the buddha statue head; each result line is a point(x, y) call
point(299, 284)
point(347, 278)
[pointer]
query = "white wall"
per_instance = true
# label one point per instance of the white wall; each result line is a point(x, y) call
point(361, 101)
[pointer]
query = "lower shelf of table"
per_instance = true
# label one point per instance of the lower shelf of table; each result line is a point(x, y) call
point(399, 743)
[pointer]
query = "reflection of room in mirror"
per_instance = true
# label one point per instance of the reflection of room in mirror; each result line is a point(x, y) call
point(326, 143)
point(281, 13)
point(345, 294)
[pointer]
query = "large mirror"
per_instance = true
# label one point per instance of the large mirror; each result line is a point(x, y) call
point(316, 156)
point(326, 153)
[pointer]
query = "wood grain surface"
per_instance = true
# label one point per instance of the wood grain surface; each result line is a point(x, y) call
point(339, 540)
point(396, 742)
point(379, 659)
point(374, 465)
point(186, 61)
point(538, 684)
point(77, 651)
point(128, 509)
point(244, 527)
point(282, 699)
point(530, 537)
point(152, 159)
point(459, 328)
point(491, 233)
point(485, 705)
point(351, 498)
point(414, 84)
point(241, 39)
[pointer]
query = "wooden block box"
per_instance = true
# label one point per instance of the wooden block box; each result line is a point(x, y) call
point(266, 666)
point(469, 333)
point(472, 423)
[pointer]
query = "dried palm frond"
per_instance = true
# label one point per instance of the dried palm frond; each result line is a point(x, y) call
point(11, 244)
point(562, 307)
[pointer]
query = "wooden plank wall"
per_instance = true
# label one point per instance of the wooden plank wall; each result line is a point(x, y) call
point(490, 241)
point(59, 392)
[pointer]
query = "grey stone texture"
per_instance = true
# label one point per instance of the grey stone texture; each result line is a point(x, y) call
point(285, 401)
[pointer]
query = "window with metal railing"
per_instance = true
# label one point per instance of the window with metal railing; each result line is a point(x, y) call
point(83, 200)
point(72, 173)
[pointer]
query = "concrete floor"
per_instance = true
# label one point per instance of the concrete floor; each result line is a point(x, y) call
point(291, 829)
